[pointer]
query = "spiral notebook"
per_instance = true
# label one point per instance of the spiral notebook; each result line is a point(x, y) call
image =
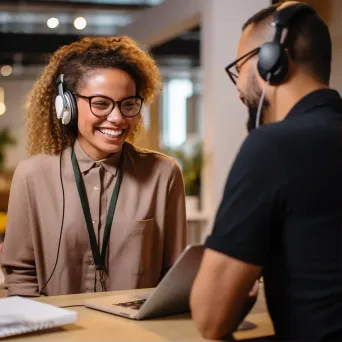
point(20, 315)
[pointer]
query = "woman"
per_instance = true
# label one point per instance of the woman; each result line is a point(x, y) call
point(112, 193)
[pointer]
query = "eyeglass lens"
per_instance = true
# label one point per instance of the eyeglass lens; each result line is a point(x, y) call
point(102, 106)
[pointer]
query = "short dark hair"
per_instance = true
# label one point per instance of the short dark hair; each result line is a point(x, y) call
point(308, 40)
point(261, 15)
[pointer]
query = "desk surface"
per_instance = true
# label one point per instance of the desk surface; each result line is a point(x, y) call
point(95, 325)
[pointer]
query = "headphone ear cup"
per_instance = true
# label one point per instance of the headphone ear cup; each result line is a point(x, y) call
point(59, 106)
point(73, 117)
point(273, 60)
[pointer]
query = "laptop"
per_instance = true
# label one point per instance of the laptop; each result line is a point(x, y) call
point(171, 296)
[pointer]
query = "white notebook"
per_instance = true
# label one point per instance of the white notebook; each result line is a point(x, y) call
point(20, 315)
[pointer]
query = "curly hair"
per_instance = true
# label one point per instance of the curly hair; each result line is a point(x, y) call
point(75, 61)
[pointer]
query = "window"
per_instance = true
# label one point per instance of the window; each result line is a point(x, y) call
point(176, 92)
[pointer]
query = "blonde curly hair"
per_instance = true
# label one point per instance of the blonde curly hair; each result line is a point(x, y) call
point(75, 61)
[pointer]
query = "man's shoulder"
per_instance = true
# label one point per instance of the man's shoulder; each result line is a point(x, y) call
point(276, 133)
point(289, 133)
point(276, 130)
point(261, 141)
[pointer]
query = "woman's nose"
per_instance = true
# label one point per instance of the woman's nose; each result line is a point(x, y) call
point(115, 115)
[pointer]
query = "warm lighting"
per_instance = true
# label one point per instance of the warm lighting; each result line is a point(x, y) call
point(2, 101)
point(52, 23)
point(80, 23)
point(2, 108)
point(6, 70)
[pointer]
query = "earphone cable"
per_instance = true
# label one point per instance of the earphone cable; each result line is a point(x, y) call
point(262, 99)
point(63, 210)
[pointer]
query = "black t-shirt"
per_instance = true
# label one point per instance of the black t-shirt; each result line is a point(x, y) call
point(282, 210)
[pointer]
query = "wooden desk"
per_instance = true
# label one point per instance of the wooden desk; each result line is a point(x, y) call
point(98, 326)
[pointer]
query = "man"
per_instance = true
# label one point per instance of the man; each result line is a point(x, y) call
point(281, 211)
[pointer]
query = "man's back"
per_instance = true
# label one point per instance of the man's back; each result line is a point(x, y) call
point(282, 211)
point(303, 277)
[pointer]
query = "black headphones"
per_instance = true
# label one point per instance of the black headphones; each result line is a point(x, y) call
point(273, 64)
point(66, 106)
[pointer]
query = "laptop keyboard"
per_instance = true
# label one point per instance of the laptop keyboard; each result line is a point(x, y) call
point(135, 305)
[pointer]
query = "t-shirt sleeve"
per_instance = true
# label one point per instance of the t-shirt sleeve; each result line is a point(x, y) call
point(251, 203)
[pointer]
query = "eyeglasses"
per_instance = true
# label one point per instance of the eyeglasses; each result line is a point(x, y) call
point(102, 106)
point(233, 69)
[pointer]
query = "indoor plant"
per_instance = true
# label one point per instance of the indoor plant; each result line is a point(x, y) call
point(6, 139)
point(190, 158)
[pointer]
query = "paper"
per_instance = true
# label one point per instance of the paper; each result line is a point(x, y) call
point(20, 315)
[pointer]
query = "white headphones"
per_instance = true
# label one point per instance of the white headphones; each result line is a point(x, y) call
point(65, 104)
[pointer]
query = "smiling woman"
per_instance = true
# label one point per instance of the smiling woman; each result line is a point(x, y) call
point(104, 123)
point(97, 213)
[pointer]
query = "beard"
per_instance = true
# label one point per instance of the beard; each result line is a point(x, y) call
point(252, 100)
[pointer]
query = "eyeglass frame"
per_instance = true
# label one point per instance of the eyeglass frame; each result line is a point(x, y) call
point(89, 98)
point(248, 56)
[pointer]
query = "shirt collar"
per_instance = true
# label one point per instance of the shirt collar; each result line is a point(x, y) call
point(319, 98)
point(85, 163)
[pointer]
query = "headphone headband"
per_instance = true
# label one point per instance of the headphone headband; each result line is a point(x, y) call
point(283, 17)
point(60, 79)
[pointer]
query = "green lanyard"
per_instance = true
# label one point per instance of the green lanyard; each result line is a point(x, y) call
point(99, 257)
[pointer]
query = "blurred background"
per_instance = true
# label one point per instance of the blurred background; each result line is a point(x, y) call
point(31, 30)
point(198, 118)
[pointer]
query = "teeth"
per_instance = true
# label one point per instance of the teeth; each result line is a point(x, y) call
point(111, 132)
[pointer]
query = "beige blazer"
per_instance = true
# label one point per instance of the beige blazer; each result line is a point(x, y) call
point(148, 231)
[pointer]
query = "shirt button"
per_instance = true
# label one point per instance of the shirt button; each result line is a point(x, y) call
point(96, 188)
point(91, 263)
point(98, 164)
point(93, 221)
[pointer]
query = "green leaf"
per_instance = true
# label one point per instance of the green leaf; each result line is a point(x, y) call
point(6, 139)
point(191, 167)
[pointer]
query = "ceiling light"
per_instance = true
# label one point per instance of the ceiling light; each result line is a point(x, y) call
point(2, 108)
point(52, 23)
point(6, 70)
point(80, 23)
